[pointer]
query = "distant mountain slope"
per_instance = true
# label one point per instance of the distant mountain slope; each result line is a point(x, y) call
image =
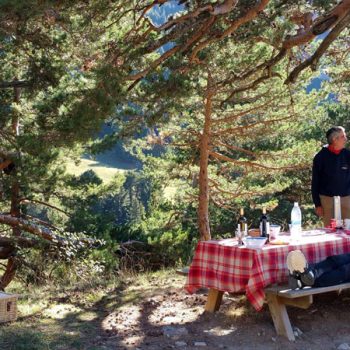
point(117, 157)
point(105, 173)
point(108, 163)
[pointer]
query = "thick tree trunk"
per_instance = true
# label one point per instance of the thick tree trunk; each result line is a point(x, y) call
point(203, 205)
point(11, 266)
point(15, 208)
point(9, 273)
point(15, 211)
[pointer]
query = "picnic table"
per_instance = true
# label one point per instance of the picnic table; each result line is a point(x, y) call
point(224, 266)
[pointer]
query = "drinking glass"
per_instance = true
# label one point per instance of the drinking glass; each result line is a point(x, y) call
point(239, 235)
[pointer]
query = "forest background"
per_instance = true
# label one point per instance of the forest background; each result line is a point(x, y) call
point(202, 108)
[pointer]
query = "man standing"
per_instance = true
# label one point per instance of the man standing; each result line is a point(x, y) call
point(331, 176)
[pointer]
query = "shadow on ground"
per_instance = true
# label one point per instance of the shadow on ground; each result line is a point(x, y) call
point(159, 314)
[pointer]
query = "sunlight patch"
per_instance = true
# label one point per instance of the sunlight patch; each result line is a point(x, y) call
point(88, 316)
point(31, 308)
point(218, 331)
point(60, 311)
point(240, 311)
point(165, 313)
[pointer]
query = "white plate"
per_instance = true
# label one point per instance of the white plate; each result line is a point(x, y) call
point(313, 233)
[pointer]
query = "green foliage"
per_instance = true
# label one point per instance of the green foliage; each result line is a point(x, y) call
point(175, 247)
point(67, 260)
point(76, 59)
point(101, 209)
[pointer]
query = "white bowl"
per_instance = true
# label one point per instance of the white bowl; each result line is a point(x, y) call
point(254, 242)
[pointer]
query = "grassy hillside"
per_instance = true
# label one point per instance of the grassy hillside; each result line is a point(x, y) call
point(106, 164)
point(102, 170)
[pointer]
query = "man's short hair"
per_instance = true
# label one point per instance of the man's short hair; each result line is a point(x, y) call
point(333, 133)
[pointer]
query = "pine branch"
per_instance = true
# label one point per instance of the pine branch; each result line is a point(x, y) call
point(314, 59)
point(241, 114)
point(238, 149)
point(20, 241)
point(30, 227)
point(250, 15)
point(254, 165)
point(252, 86)
point(28, 201)
point(41, 222)
point(14, 84)
point(320, 25)
point(241, 129)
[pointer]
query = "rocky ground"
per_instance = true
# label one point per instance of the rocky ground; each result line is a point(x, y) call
point(154, 312)
point(166, 317)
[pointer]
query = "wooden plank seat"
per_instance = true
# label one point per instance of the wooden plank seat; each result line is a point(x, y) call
point(279, 296)
point(183, 271)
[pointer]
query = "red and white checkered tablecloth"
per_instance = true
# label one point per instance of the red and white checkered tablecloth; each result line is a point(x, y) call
point(225, 266)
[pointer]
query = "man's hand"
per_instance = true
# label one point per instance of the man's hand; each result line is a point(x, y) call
point(319, 211)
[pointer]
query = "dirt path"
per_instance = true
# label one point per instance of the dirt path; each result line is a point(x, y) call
point(166, 317)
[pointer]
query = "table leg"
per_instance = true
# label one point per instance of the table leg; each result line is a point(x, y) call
point(214, 300)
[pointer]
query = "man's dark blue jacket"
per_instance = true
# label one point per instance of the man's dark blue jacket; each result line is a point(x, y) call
point(330, 174)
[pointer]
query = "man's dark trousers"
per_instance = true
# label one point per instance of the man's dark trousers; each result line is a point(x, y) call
point(333, 270)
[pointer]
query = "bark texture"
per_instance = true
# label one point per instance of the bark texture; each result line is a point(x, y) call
point(203, 206)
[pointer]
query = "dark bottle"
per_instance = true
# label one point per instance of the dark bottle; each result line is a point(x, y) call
point(264, 225)
point(242, 223)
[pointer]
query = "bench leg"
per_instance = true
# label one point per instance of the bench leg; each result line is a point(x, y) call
point(280, 317)
point(214, 300)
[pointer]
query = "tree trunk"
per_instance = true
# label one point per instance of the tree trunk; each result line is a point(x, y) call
point(15, 211)
point(15, 208)
point(203, 205)
point(9, 273)
point(11, 266)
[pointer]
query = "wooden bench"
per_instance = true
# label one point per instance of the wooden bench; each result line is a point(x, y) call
point(183, 271)
point(280, 296)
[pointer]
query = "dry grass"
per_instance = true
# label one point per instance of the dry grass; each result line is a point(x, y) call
point(103, 172)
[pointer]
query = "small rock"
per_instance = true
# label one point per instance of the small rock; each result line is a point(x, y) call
point(297, 332)
point(171, 332)
point(180, 343)
point(344, 346)
point(200, 343)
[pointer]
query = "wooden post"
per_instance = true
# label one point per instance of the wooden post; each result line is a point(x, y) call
point(280, 317)
point(214, 300)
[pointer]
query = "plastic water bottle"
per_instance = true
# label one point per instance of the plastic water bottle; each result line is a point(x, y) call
point(295, 216)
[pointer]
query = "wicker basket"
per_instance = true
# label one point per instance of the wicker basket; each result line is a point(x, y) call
point(8, 307)
point(254, 232)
